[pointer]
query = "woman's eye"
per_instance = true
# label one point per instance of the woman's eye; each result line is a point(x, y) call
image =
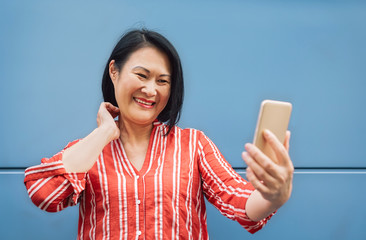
point(163, 81)
point(141, 75)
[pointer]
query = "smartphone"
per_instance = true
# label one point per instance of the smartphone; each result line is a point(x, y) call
point(274, 116)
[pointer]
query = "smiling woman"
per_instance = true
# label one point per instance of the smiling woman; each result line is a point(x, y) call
point(144, 177)
point(138, 40)
point(142, 86)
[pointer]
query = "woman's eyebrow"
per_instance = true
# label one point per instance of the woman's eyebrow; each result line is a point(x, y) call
point(165, 75)
point(139, 67)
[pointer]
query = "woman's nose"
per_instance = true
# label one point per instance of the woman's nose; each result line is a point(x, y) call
point(149, 88)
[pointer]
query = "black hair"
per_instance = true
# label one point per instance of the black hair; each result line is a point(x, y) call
point(129, 43)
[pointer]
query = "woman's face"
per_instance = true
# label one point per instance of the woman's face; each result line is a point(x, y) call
point(142, 87)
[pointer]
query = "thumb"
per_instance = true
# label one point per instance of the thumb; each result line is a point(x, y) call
point(287, 140)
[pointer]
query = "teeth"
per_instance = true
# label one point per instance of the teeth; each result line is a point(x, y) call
point(143, 102)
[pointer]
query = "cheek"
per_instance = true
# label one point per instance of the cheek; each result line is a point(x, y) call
point(166, 96)
point(125, 89)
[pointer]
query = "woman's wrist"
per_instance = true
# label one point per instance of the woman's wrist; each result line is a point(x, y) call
point(107, 133)
point(258, 208)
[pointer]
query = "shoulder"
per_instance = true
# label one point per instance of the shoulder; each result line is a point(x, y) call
point(72, 143)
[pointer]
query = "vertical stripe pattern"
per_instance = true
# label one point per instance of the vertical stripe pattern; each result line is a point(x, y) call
point(162, 200)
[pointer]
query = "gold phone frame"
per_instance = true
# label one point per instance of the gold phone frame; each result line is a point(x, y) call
point(274, 116)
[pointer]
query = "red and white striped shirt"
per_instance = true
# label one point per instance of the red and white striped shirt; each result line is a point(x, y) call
point(164, 200)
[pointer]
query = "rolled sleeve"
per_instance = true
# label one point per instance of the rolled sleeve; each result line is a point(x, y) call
point(50, 187)
point(224, 187)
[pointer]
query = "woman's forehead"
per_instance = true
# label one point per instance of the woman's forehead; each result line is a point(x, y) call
point(150, 59)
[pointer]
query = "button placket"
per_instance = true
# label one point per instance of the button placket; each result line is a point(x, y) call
point(138, 205)
point(138, 232)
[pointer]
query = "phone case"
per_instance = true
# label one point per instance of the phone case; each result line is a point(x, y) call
point(274, 116)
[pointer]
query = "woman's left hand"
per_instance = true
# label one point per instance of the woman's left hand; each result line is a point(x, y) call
point(271, 178)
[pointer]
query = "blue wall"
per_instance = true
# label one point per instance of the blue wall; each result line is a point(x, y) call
point(235, 54)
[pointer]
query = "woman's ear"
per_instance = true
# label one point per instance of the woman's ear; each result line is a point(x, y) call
point(113, 71)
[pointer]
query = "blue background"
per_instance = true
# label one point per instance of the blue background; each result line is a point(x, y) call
point(234, 54)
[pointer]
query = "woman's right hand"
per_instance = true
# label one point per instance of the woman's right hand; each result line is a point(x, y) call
point(105, 120)
point(82, 156)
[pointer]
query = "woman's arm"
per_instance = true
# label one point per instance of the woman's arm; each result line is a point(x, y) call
point(82, 156)
point(273, 182)
point(58, 181)
point(223, 186)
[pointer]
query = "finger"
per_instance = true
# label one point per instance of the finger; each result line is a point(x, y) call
point(279, 148)
point(114, 114)
point(258, 170)
point(102, 109)
point(257, 184)
point(263, 160)
point(287, 140)
point(113, 110)
point(111, 107)
point(102, 105)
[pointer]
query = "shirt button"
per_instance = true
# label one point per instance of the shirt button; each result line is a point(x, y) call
point(138, 201)
point(137, 176)
point(139, 233)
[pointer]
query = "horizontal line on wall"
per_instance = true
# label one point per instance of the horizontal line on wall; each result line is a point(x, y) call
point(242, 168)
point(11, 172)
point(241, 172)
point(319, 168)
point(13, 168)
point(301, 170)
point(330, 168)
point(329, 172)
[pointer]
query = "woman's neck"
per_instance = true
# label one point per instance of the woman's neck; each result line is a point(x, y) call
point(134, 134)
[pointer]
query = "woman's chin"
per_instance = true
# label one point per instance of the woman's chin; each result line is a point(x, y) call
point(142, 120)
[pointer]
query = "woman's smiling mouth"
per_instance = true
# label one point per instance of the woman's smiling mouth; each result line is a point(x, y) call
point(144, 102)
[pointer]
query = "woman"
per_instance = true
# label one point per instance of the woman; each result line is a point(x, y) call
point(144, 177)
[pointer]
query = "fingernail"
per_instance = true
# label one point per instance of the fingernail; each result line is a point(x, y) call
point(266, 132)
point(247, 146)
point(245, 156)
